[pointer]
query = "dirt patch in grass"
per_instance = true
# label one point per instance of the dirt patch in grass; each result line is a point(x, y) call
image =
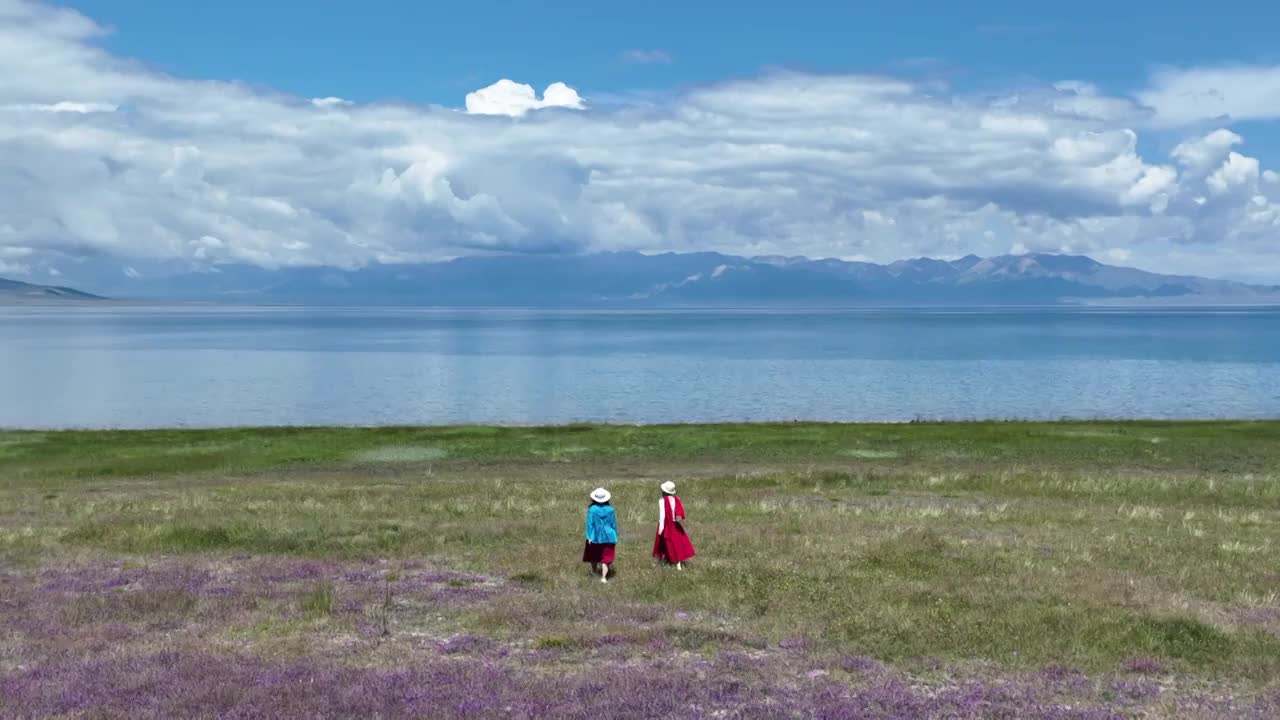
point(199, 448)
point(869, 453)
point(401, 454)
point(1110, 435)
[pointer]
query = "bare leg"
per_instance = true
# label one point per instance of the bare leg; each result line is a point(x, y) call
point(604, 572)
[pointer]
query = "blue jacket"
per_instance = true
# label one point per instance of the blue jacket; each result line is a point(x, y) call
point(602, 525)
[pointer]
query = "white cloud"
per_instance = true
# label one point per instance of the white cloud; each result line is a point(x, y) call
point(874, 217)
point(1238, 171)
point(1085, 100)
point(206, 172)
point(1235, 92)
point(10, 268)
point(647, 57)
point(1119, 256)
point(63, 106)
point(1199, 155)
point(506, 97)
point(10, 256)
point(1078, 87)
point(1225, 204)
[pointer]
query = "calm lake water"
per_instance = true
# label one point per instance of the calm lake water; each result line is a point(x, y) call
point(147, 367)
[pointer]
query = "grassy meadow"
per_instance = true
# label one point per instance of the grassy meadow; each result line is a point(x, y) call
point(1064, 570)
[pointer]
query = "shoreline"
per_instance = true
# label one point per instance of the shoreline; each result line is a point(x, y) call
point(1065, 306)
point(693, 425)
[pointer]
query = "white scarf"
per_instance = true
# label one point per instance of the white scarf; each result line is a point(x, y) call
point(662, 512)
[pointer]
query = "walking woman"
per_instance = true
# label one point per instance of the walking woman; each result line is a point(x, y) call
point(602, 534)
point(672, 545)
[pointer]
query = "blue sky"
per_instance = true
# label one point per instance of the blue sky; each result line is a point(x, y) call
point(427, 52)
point(433, 53)
point(273, 133)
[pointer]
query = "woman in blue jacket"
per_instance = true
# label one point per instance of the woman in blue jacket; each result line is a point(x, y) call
point(602, 533)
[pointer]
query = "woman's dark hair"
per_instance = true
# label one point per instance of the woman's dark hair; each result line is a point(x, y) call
point(593, 503)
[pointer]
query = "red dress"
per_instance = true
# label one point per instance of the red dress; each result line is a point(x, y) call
point(596, 553)
point(672, 543)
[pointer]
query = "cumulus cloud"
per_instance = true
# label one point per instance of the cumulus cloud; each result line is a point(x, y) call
point(1225, 200)
point(647, 57)
point(1199, 155)
point(506, 97)
point(1237, 171)
point(1237, 92)
point(202, 173)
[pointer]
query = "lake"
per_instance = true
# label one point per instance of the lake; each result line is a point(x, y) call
point(132, 367)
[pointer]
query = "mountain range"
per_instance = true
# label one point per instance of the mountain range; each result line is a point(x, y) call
point(629, 279)
point(13, 292)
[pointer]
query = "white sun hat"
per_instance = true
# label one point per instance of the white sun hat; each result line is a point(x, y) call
point(600, 495)
point(669, 487)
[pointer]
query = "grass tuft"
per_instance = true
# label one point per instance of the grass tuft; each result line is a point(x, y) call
point(318, 600)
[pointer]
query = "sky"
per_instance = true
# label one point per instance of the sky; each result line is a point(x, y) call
point(140, 137)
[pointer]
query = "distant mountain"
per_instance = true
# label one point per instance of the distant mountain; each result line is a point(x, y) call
point(697, 280)
point(13, 292)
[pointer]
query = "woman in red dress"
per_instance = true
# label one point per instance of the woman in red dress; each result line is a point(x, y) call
point(672, 545)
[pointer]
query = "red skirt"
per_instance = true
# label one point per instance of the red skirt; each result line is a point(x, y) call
point(598, 553)
point(673, 544)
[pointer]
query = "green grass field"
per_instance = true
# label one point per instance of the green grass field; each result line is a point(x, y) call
point(946, 553)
